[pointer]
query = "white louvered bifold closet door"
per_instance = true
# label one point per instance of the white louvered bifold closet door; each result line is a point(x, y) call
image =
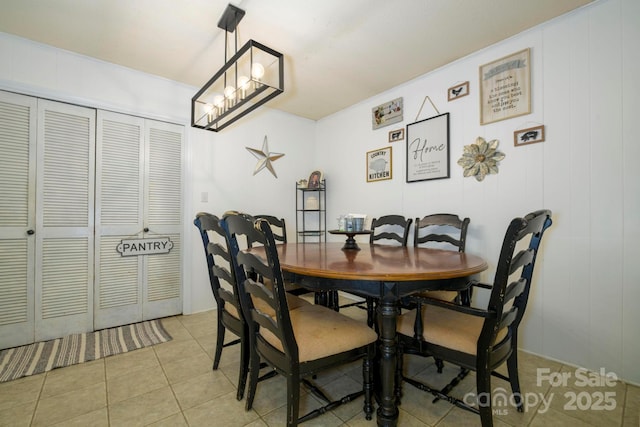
point(163, 215)
point(64, 219)
point(138, 188)
point(119, 215)
point(18, 116)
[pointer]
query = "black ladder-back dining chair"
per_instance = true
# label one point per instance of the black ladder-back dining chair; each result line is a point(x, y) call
point(279, 229)
point(387, 229)
point(390, 228)
point(444, 231)
point(295, 343)
point(229, 314)
point(478, 339)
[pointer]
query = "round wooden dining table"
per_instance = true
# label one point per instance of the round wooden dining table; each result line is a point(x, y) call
point(386, 273)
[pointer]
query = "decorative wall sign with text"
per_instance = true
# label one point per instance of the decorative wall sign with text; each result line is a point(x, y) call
point(428, 149)
point(387, 113)
point(135, 247)
point(379, 165)
point(505, 88)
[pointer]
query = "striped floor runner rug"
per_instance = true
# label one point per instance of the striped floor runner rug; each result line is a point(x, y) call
point(78, 348)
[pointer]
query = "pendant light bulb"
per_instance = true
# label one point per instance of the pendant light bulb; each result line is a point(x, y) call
point(257, 71)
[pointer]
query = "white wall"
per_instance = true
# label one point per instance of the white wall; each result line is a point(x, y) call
point(585, 69)
point(585, 91)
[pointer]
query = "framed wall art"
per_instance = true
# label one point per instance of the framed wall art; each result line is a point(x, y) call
point(379, 164)
point(428, 149)
point(396, 135)
point(505, 87)
point(315, 179)
point(458, 91)
point(387, 113)
point(528, 136)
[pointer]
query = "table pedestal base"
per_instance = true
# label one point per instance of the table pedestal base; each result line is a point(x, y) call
point(350, 244)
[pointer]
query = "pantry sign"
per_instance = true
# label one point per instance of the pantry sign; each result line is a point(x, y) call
point(135, 247)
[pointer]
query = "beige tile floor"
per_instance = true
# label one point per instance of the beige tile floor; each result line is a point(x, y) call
point(172, 384)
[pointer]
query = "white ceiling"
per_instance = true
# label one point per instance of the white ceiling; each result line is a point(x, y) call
point(337, 52)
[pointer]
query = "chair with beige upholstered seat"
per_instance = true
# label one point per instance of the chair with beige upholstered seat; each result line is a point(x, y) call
point(224, 288)
point(473, 338)
point(295, 343)
point(229, 315)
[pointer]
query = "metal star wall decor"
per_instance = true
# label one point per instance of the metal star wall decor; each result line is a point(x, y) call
point(265, 157)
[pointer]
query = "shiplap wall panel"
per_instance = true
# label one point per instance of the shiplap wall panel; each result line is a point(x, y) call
point(605, 125)
point(630, 12)
point(563, 101)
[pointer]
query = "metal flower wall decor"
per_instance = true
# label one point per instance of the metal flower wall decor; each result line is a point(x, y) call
point(481, 158)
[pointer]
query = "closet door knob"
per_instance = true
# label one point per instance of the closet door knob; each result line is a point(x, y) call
point(30, 232)
point(146, 229)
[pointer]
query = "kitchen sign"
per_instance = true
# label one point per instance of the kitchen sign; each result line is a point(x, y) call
point(135, 247)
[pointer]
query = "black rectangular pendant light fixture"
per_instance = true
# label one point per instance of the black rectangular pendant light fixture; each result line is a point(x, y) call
point(250, 78)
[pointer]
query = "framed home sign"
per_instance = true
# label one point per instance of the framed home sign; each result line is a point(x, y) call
point(505, 87)
point(379, 165)
point(428, 149)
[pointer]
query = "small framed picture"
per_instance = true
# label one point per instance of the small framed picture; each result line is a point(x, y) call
point(387, 113)
point(528, 136)
point(379, 165)
point(315, 180)
point(458, 91)
point(396, 135)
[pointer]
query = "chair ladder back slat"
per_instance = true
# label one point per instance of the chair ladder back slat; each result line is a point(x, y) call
point(515, 289)
point(216, 249)
point(391, 227)
point(447, 228)
point(278, 227)
point(508, 318)
point(227, 297)
point(521, 259)
point(222, 273)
